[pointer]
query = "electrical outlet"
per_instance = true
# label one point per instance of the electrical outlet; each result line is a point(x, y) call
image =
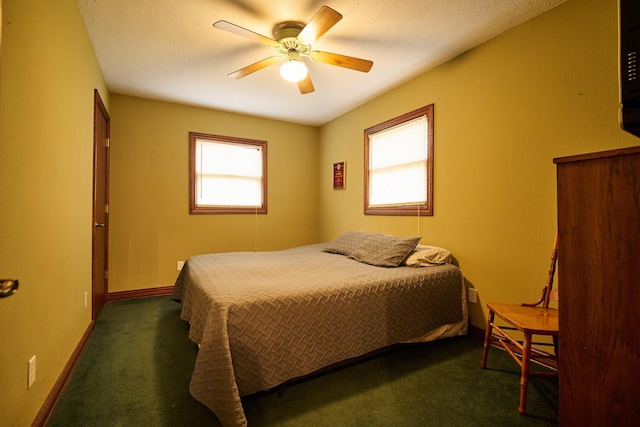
point(180, 265)
point(31, 377)
point(85, 299)
point(473, 295)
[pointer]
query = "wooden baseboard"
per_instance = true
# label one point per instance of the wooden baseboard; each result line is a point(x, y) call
point(54, 395)
point(476, 332)
point(140, 293)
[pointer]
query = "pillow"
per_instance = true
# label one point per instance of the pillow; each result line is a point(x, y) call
point(425, 256)
point(347, 243)
point(385, 251)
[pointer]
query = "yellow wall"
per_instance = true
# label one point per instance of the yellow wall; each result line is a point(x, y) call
point(151, 228)
point(49, 72)
point(503, 111)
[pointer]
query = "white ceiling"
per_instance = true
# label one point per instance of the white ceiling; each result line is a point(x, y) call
point(169, 50)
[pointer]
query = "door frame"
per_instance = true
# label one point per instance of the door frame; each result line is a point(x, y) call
point(100, 112)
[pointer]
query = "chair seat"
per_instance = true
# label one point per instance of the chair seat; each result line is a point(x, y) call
point(536, 320)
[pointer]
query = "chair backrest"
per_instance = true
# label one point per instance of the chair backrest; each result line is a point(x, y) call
point(548, 292)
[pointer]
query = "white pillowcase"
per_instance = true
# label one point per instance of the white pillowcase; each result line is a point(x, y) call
point(425, 256)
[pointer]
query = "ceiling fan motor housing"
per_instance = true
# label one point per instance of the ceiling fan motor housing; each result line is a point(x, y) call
point(287, 37)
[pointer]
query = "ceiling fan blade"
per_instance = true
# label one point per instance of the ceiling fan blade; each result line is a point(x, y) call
point(322, 21)
point(306, 85)
point(357, 64)
point(243, 32)
point(242, 72)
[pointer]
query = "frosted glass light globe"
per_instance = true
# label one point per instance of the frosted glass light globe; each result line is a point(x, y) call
point(293, 70)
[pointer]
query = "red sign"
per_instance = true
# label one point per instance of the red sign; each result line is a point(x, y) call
point(339, 176)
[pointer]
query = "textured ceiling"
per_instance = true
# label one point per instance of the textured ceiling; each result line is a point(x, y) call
point(169, 50)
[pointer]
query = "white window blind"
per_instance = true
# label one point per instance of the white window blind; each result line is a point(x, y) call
point(398, 164)
point(228, 174)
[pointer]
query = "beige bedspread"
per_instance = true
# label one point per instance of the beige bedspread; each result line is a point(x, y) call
point(262, 318)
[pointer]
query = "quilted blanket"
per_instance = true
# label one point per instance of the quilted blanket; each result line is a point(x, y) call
point(262, 318)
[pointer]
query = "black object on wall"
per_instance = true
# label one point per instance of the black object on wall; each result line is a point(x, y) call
point(629, 19)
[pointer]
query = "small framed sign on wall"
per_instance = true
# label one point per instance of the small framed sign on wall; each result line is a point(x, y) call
point(339, 176)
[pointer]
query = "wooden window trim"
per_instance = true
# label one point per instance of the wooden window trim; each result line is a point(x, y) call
point(425, 209)
point(193, 208)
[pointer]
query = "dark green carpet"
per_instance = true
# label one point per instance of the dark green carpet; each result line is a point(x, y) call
point(136, 368)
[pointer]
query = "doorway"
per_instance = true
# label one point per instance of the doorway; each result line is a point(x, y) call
point(100, 252)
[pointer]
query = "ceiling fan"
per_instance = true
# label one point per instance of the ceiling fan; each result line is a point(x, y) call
point(293, 40)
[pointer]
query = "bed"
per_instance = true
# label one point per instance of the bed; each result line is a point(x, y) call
point(263, 318)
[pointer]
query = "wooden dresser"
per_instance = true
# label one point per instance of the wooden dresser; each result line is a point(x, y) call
point(599, 286)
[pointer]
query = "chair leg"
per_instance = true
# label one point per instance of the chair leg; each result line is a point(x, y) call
point(524, 379)
point(487, 338)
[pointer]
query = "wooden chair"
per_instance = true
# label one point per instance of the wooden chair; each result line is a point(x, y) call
point(529, 320)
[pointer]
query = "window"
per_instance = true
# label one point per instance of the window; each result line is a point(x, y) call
point(227, 175)
point(399, 165)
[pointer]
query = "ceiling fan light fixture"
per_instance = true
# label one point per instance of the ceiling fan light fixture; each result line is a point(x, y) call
point(293, 70)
